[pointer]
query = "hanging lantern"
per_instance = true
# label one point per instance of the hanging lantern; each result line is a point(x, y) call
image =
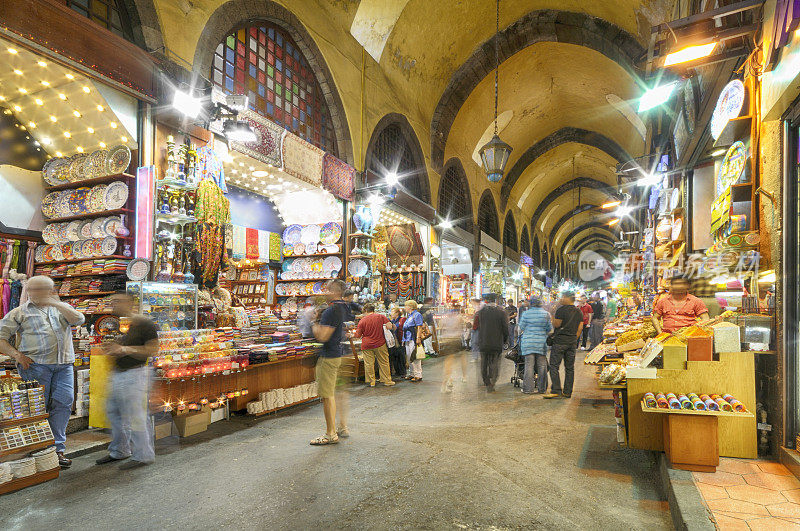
point(494, 156)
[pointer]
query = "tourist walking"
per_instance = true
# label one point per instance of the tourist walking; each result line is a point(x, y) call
point(586, 310)
point(397, 353)
point(127, 406)
point(371, 329)
point(535, 325)
point(568, 323)
point(511, 312)
point(329, 330)
point(412, 337)
point(428, 310)
point(44, 351)
point(598, 321)
point(492, 334)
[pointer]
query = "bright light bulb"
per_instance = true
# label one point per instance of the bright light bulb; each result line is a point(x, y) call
point(124, 138)
point(86, 89)
point(102, 144)
point(70, 76)
point(17, 108)
point(656, 96)
point(113, 125)
point(690, 53)
point(12, 51)
point(41, 63)
point(23, 91)
point(59, 154)
point(62, 96)
point(18, 71)
point(80, 149)
point(91, 130)
point(77, 114)
point(53, 119)
point(67, 134)
point(32, 125)
point(100, 108)
point(39, 102)
point(2, 98)
point(46, 83)
point(46, 141)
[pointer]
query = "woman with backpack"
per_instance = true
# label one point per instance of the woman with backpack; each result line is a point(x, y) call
point(412, 337)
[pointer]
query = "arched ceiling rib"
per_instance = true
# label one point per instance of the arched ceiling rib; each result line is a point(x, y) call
point(586, 241)
point(582, 182)
point(581, 231)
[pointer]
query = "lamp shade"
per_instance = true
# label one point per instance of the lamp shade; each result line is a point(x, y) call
point(494, 156)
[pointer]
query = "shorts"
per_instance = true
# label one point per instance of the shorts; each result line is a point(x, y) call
point(327, 373)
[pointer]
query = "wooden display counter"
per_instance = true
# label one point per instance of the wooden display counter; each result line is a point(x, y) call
point(733, 374)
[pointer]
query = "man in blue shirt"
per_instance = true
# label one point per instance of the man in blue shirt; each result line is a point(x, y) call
point(535, 325)
point(329, 331)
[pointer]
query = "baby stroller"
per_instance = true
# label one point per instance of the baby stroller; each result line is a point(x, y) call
point(515, 354)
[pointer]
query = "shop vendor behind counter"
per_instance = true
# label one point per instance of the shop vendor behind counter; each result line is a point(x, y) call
point(678, 308)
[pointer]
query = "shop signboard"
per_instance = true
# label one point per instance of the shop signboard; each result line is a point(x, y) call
point(720, 210)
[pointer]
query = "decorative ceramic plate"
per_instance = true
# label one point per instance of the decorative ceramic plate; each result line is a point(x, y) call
point(752, 238)
point(97, 246)
point(117, 160)
point(675, 199)
point(56, 253)
point(50, 233)
point(87, 248)
point(734, 240)
point(648, 236)
point(663, 230)
point(76, 167)
point(729, 105)
point(291, 235)
point(357, 267)
point(311, 248)
point(317, 289)
point(110, 225)
point(138, 269)
point(280, 289)
point(62, 206)
point(297, 265)
point(732, 167)
point(108, 245)
point(116, 195)
point(72, 231)
point(59, 171)
point(47, 253)
point(96, 195)
point(96, 164)
point(46, 175)
point(38, 254)
point(330, 233)
point(332, 263)
point(66, 251)
point(299, 248)
point(97, 228)
point(287, 250)
point(77, 251)
point(310, 234)
point(85, 230)
point(49, 204)
point(332, 248)
point(286, 265)
point(677, 226)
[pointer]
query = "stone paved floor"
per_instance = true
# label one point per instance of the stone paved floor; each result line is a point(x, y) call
point(417, 459)
point(751, 494)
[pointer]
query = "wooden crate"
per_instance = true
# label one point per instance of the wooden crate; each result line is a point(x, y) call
point(35, 479)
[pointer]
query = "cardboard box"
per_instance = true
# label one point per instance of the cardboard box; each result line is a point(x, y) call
point(700, 348)
point(674, 354)
point(163, 429)
point(192, 422)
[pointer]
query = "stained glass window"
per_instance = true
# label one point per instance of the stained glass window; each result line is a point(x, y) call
point(487, 217)
point(263, 62)
point(454, 201)
point(107, 13)
point(392, 152)
point(525, 242)
point(510, 232)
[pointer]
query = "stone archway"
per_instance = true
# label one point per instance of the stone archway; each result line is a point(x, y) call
point(234, 12)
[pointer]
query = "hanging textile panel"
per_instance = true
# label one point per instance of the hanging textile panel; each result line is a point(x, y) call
point(404, 245)
point(338, 177)
point(251, 238)
point(302, 160)
point(275, 249)
point(270, 137)
point(239, 242)
point(263, 245)
point(212, 205)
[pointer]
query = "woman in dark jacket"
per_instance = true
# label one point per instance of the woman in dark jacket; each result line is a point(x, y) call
point(397, 354)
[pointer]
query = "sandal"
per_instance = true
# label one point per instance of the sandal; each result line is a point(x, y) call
point(325, 439)
point(415, 380)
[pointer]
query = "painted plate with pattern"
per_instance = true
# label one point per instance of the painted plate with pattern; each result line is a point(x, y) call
point(288, 250)
point(85, 230)
point(310, 234)
point(732, 167)
point(332, 263)
point(97, 246)
point(108, 245)
point(57, 172)
point(95, 201)
point(110, 225)
point(66, 251)
point(76, 167)
point(50, 233)
point(317, 289)
point(116, 195)
point(86, 248)
point(330, 233)
point(47, 254)
point(77, 249)
point(96, 164)
point(280, 289)
point(56, 253)
point(117, 160)
point(72, 231)
point(97, 228)
point(292, 233)
point(49, 204)
point(299, 249)
point(62, 205)
point(729, 105)
point(38, 254)
point(357, 267)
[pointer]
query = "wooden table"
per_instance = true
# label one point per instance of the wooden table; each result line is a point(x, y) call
point(691, 438)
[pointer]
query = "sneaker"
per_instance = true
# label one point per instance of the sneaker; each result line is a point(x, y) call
point(551, 395)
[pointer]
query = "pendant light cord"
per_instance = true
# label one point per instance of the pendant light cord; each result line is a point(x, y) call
point(496, 60)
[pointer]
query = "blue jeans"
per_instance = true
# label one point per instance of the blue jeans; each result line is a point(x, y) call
point(539, 363)
point(127, 410)
point(58, 380)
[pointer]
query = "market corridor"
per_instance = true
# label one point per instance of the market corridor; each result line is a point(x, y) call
point(416, 459)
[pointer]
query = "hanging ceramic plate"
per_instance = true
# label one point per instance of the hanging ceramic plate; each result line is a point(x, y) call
point(110, 225)
point(317, 289)
point(96, 163)
point(76, 167)
point(85, 230)
point(95, 202)
point(677, 226)
point(87, 248)
point(62, 205)
point(299, 249)
point(357, 267)
point(97, 228)
point(108, 245)
point(675, 199)
point(308, 289)
point(47, 253)
point(66, 251)
point(72, 231)
point(38, 254)
point(297, 265)
point(286, 265)
point(310, 234)
point(330, 233)
point(46, 170)
point(287, 250)
point(50, 233)
point(49, 204)
point(280, 289)
point(77, 249)
point(732, 167)
point(729, 105)
point(138, 269)
point(734, 240)
point(752, 238)
point(117, 160)
point(116, 195)
point(311, 248)
point(56, 254)
point(332, 249)
point(97, 247)
point(60, 171)
point(663, 230)
point(332, 263)
point(291, 235)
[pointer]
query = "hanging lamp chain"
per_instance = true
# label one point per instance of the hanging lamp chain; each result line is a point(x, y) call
point(496, 60)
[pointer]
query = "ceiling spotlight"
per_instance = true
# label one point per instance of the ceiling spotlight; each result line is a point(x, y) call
point(113, 125)
point(238, 131)
point(17, 108)
point(86, 89)
point(18, 71)
point(32, 125)
point(259, 173)
point(59, 154)
point(187, 104)
point(12, 51)
point(39, 102)
point(23, 91)
point(70, 76)
point(446, 224)
point(102, 144)
point(91, 130)
point(45, 83)
point(67, 134)
point(392, 179)
point(62, 96)
point(46, 141)
point(41, 63)
point(77, 114)
point(100, 108)
point(53, 119)
point(124, 138)
point(80, 149)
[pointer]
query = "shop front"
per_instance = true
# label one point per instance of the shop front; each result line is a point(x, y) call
point(490, 267)
point(457, 268)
